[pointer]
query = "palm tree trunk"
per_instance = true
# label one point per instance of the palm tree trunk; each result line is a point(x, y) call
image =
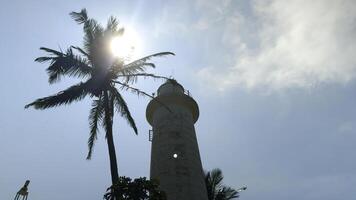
point(110, 140)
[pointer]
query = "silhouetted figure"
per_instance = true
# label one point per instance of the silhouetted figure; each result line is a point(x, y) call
point(23, 192)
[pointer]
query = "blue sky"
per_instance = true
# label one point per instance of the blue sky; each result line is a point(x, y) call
point(274, 80)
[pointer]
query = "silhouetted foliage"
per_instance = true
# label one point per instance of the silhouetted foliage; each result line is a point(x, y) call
point(102, 77)
point(215, 188)
point(23, 192)
point(138, 189)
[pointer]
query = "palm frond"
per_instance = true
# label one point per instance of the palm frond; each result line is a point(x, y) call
point(134, 90)
point(80, 50)
point(119, 69)
point(141, 64)
point(229, 193)
point(95, 116)
point(73, 93)
point(65, 64)
point(209, 188)
point(216, 178)
point(44, 59)
point(216, 190)
point(51, 51)
point(146, 58)
point(91, 28)
point(131, 78)
point(112, 28)
point(112, 24)
point(80, 17)
point(92, 31)
point(139, 92)
point(122, 108)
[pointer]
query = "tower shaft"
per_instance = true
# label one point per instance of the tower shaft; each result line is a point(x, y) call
point(175, 158)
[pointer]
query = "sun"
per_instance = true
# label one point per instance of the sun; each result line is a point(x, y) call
point(126, 46)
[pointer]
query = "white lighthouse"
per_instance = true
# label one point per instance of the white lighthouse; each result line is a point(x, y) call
point(175, 158)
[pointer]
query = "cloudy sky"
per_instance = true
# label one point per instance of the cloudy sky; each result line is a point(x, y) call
point(274, 80)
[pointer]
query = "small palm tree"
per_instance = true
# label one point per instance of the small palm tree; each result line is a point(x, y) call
point(102, 75)
point(216, 190)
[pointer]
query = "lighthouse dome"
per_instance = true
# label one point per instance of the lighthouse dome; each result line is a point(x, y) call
point(171, 86)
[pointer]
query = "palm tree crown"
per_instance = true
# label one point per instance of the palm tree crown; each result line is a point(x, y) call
point(216, 190)
point(100, 73)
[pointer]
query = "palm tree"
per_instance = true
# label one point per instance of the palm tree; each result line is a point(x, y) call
point(216, 190)
point(102, 77)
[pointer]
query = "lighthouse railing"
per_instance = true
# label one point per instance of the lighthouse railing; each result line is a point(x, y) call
point(150, 135)
point(187, 93)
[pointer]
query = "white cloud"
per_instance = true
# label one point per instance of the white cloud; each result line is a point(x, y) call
point(346, 127)
point(297, 43)
point(185, 16)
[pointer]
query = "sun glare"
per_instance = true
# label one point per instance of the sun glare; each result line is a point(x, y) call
point(126, 46)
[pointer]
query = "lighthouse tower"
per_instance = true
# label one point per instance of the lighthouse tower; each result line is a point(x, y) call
point(175, 159)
